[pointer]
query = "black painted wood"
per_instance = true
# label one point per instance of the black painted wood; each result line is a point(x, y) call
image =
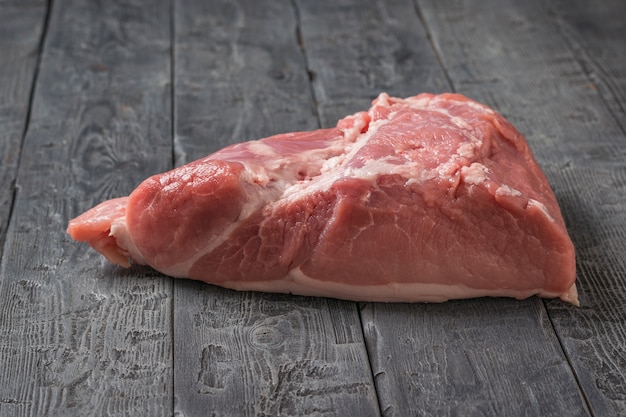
point(79, 337)
point(594, 31)
point(472, 358)
point(240, 75)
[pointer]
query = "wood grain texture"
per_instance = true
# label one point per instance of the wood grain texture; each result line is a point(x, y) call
point(251, 354)
point(425, 358)
point(546, 91)
point(595, 33)
point(495, 357)
point(594, 336)
point(79, 337)
point(357, 50)
point(240, 75)
point(20, 35)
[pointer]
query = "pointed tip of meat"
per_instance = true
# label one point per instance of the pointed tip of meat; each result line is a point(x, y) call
point(94, 227)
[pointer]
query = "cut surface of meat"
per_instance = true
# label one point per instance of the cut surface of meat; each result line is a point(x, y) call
point(428, 198)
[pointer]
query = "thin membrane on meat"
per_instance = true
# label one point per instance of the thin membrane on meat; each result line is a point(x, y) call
point(428, 198)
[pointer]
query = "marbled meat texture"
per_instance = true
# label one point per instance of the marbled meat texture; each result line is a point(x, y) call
point(428, 198)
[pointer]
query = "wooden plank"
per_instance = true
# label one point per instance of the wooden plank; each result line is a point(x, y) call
point(595, 32)
point(475, 357)
point(240, 75)
point(356, 51)
point(249, 354)
point(77, 336)
point(516, 57)
point(20, 34)
point(483, 357)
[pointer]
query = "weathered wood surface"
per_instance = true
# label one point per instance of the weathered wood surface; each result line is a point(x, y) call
point(123, 91)
point(77, 336)
point(357, 50)
point(20, 39)
point(595, 33)
point(596, 196)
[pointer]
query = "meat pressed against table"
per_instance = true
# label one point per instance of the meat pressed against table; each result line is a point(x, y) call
point(428, 198)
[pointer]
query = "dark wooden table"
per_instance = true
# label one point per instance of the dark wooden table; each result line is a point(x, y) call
point(97, 95)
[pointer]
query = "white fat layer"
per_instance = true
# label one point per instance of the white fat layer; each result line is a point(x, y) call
point(466, 150)
point(475, 174)
point(181, 269)
point(122, 237)
point(298, 283)
point(506, 190)
point(261, 148)
point(541, 207)
point(424, 101)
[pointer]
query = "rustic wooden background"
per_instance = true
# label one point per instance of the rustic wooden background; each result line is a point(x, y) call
point(97, 95)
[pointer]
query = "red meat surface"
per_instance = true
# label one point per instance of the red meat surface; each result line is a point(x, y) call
point(428, 198)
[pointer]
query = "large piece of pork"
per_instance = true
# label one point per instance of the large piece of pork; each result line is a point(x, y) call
point(428, 198)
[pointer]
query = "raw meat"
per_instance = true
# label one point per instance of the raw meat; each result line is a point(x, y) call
point(428, 198)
